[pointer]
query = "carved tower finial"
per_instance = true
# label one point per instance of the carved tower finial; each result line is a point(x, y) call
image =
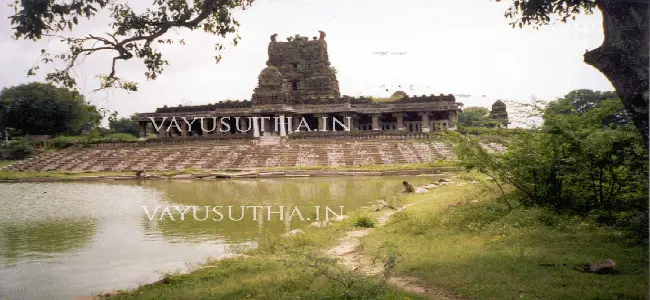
point(273, 37)
point(322, 35)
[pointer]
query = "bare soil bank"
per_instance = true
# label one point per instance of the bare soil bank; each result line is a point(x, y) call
point(228, 174)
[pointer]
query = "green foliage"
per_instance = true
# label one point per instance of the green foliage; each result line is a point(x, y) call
point(586, 156)
point(541, 12)
point(38, 108)
point(583, 101)
point(118, 137)
point(474, 116)
point(124, 125)
point(475, 119)
point(16, 151)
point(497, 135)
point(61, 142)
point(364, 221)
point(132, 33)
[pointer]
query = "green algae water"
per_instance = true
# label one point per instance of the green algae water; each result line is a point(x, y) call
point(64, 240)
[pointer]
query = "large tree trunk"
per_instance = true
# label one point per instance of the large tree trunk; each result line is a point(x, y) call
point(623, 56)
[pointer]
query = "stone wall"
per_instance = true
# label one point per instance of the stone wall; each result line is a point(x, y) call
point(214, 155)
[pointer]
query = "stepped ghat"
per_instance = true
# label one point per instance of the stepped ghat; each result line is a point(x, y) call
point(299, 85)
point(241, 153)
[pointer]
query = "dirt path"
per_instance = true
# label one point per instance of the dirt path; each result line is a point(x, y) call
point(347, 251)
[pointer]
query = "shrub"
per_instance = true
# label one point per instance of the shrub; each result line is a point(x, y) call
point(63, 141)
point(16, 151)
point(119, 137)
point(364, 221)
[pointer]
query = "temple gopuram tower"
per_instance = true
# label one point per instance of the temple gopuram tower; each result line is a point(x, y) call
point(297, 71)
point(499, 113)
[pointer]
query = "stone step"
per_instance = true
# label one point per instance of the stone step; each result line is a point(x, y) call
point(266, 152)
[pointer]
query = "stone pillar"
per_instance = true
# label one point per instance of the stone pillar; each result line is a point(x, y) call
point(205, 126)
point(283, 125)
point(296, 121)
point(354, 122)
point(244, 125)
point(184, 132)
point(256, 127)
point(267, 127)
point(143, 129)
point(216, 126)
point(426, 125)
point(400, 121)
point(322, 122)
point(375, 122)
point(162, 132)
point(290, 124)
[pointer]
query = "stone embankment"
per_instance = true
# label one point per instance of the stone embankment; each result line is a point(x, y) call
point(74, 176)
point(217, 155)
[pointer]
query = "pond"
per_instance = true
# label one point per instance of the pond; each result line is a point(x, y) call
point(62, 240)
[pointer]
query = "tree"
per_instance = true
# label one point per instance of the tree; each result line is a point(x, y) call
point(124, 125)
point(624, 55)
point(132, 34)
point(576, 161)
point(474, 116)
point(38, 108)
point(582, 101)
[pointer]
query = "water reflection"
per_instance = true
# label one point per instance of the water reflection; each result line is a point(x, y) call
point(301, 193)
point(43, 238)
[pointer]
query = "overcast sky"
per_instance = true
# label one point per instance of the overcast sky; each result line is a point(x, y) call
point(462, 47)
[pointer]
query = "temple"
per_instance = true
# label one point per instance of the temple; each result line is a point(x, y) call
point(299, 85)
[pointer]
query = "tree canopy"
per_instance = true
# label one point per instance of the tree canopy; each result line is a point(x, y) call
point(477, 116)
point(124, 125)
point(542, 12)
point(583, 101)
point(132, 34)
point(474, 116)
point(38, 108)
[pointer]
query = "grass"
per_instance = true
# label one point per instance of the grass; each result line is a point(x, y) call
point(4, 163)
point(261, 278)
point(483, 250)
